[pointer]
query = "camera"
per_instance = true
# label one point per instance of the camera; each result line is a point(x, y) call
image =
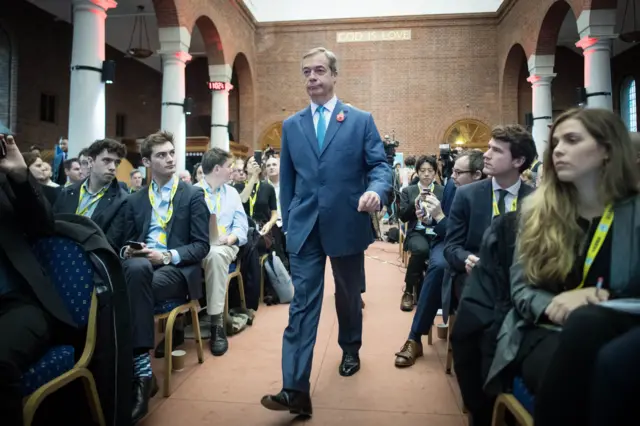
point(390, 146)
point(447, 158)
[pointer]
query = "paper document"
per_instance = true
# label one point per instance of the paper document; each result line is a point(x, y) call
point(631, 306)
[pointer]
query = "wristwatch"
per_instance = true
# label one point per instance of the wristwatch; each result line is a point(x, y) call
point(166, 258)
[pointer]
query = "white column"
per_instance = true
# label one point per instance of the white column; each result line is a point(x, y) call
point(87, 95)
point(540, 76)
point(597, 29)
point(174, 48)
point(220, 105)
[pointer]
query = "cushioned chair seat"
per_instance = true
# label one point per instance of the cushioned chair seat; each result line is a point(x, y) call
point(168, 306)
point(57, 361)
point(522, 394)
point(232, 268)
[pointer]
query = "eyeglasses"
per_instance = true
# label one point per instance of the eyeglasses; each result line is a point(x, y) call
point(461, 172)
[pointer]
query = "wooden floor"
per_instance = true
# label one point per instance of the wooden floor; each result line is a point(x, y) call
point(227, 390)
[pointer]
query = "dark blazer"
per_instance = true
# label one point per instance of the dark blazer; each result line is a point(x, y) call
point(51, 193)
point(26, 215)
point(408, 197)
point(325, 185)
point(470, 216)
point(187, 231)
point(105, 213)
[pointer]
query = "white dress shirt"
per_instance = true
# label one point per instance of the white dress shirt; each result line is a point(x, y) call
point(328, 110)
point(512, 194)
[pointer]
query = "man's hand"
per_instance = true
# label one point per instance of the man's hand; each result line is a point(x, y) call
point(227, 240)
point(13, 163)
point(563, 304)
point(434, 208)
point(369, 202)
point(471, 262)
point(420, 214)
point(154, 256)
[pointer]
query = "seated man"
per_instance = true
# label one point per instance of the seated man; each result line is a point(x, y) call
point(223, 201)
point(511, 151)
point(167, 234)
point(467, 169)
point(72, 171)
point(30, 308)
point(419, 234)
point(100, 196)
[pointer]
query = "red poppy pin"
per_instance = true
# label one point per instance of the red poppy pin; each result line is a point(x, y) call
point(340, 117)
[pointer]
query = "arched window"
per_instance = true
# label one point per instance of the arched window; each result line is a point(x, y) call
point(5, 79)
point(629, 104)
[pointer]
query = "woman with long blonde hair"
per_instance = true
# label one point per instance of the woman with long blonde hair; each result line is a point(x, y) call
point(578, 246)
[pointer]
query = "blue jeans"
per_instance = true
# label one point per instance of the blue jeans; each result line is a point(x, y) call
point(431, 294)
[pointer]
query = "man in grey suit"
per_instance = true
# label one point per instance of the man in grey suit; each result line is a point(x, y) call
point(333, 173)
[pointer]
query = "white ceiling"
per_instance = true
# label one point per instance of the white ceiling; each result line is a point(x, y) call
point(294, 10)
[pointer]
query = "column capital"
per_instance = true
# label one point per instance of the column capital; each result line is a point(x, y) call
point(599, 23)
point(590, 44)
point(220, 72)
point(541, 66)
point(540, 79)
point(174, 43)
point(100, 6)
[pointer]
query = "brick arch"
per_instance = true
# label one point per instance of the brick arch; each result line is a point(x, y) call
point(509, 88)
point(246, 94)
point(599, 4)
point(212, 41)
point(546, 40)
point(168, 14)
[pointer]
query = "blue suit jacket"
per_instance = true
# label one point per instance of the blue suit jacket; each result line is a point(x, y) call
point(326, 185)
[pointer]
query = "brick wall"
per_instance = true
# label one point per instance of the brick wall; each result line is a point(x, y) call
point(418, 88)
point(43, 51)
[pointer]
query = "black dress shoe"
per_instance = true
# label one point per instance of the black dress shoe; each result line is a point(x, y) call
point(178, 340)
point(218, 343)
point(295, 402)
point(350, 364)
point(144, 388)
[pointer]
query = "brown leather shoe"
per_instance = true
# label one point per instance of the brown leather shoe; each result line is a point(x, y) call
point(406, 303)
point(411, 350)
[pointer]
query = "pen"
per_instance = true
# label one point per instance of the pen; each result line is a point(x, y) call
point(599, 285)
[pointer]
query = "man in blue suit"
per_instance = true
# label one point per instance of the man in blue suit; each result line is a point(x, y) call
point(333, 173)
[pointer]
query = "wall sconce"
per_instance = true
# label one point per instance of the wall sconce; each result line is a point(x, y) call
point(107, 72)
point(188, 106)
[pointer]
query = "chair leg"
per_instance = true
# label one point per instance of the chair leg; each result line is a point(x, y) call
point(449, 363)
point(196, 327)
point(262, 271)
point(430, 336)
point(93, 398)
point(498, 413)
point(243, 301)
point(168, 344)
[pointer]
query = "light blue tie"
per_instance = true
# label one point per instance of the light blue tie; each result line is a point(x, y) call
point(322, 126)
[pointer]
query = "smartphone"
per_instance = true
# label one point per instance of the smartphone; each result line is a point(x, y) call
point(257, 155)
point(135, 245)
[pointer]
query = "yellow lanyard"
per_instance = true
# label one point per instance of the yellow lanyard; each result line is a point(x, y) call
point(82, 211)
point(496, 210)
point(596, 242)
point(207, 198)
point(252, 200)
point(152, 198)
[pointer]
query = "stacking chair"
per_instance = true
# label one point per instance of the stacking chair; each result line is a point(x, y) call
point(519, 403)
point(71, 273)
